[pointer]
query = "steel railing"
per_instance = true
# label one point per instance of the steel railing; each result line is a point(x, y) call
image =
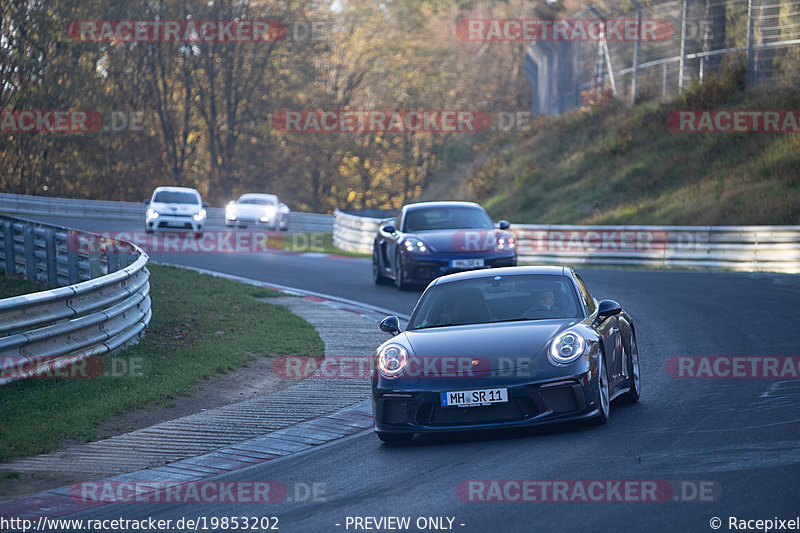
point(20, 204)
point(746, 248)
point(354, 233)
point(105, 307)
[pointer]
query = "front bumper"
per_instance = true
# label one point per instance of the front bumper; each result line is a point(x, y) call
point(173, 222)
point(400, 408)
point(273, 223)
point(426, 268)
point(244, 222)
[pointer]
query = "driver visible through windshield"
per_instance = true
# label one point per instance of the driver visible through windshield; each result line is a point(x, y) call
point(497, 299)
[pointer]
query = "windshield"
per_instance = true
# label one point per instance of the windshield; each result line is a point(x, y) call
point(256, 201)
point(176, 197)
point(438, 218)
point(497, 299)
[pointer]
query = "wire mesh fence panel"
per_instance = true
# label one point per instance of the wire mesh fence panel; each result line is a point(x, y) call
point(677, 43)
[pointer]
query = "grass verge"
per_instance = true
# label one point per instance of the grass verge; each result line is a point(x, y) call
point(321, 242)
point(11, 286)
point(202, 326)
point(612, 164)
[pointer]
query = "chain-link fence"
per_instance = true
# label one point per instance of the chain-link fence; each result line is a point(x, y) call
point(692, 39)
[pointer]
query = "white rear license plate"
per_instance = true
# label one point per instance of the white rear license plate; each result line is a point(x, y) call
point(472, 398)
point(466, 263)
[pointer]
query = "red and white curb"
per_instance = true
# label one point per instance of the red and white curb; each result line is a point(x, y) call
point(279, 443)
point(273, 445)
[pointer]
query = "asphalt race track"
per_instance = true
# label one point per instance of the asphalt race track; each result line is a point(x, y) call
point(731, 447)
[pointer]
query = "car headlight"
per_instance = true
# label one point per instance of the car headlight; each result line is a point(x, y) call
point(567, 346)
point(416, 246)
point(230, 210)
point(392, 360)
point(269, 213)
point(506, 242)
point(200, 215)
point(151, 213)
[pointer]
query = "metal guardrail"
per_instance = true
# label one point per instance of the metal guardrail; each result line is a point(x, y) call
point(310, 222)
point(694, 39)
point(20, 204)
point(354, 233)
point(105, 307)
point(745, 248)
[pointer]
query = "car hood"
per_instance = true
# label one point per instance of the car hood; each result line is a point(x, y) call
point(481, 348)
point(461, 241)
point(175, 209)
point(252, 209)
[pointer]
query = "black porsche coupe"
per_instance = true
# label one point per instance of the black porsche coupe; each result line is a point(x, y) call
point(504, 347)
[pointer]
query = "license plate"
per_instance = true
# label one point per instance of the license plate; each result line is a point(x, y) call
point(471, 398)
point(466, 263)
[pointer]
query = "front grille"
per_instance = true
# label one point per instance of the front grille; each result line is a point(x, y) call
point(502, 262)
point(396, 411)
point(425, 271)
point(563, 398)
point(172, 225)
point(514, 409)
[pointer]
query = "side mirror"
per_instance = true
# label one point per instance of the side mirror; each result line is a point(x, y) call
point(607, 308)
point(205, 204)
point(146, 201)
point(503, 224)
point(390, 324)
point(388, 228)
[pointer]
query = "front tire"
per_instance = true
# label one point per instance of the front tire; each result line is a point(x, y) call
point(603, 394)
point(377, 276)
point(395, 438)
point(399, 278)
point(633, 394)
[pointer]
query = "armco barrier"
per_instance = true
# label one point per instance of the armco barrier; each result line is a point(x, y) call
point(745, 248)
point(20, 204)
point(354, 233)
point(106, 305)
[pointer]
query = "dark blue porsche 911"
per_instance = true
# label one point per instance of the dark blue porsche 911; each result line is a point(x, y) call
point(500, 348)
point(431, 239)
